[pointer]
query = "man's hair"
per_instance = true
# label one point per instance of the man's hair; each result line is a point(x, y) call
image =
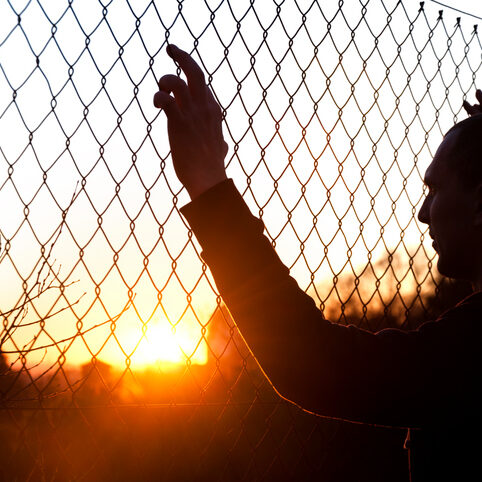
point(466, 158)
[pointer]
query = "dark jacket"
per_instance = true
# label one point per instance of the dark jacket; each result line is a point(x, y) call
point(427, 379)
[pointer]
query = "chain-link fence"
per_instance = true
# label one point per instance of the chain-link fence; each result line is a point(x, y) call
point(119, 361)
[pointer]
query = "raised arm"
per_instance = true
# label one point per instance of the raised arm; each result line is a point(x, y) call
point(391, 377)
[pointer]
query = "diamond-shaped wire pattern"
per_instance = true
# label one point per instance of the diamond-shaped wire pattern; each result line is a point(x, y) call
point(119, 361)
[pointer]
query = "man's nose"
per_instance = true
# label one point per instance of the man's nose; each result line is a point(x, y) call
point(423, 214)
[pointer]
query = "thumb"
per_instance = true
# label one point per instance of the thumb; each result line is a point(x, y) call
point(164, 101)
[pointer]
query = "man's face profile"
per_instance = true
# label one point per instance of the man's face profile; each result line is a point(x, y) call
point(450, 210)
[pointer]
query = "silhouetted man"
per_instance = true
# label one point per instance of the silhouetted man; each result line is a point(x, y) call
point(427, 379)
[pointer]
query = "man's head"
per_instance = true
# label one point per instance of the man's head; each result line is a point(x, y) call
point(453, 206)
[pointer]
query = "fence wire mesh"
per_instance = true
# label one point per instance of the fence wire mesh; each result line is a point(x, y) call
point(118, 359)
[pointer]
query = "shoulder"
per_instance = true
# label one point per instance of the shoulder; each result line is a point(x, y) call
point(467, 311)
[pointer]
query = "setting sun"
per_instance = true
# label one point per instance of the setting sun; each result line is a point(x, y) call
point(164, 344)
point(155, 343)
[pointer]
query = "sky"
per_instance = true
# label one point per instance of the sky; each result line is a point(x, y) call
point(331, 117)
point(468, 6)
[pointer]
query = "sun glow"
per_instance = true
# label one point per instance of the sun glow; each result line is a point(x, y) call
point(164, 344)
point(157, 342)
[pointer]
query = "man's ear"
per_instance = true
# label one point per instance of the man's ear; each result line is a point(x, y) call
point(478, 209)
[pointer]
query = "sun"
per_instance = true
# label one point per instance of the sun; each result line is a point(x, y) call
point(164, 344)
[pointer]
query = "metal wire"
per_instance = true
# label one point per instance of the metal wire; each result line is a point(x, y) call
point(111, 322)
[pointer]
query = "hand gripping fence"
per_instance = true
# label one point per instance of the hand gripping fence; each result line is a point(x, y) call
point(118, 359)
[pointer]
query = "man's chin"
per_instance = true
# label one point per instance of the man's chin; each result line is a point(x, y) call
point(452, 270)
point(445, 270)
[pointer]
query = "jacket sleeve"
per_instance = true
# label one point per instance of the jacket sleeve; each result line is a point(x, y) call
point(391, 377)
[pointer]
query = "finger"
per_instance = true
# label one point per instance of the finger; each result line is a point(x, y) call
point(467, 107)
point(478, 95)
point(194, 73)
point(172, 83)
point(471, 109)
point(210, 96)
point(212, 104)
point(167, 103)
